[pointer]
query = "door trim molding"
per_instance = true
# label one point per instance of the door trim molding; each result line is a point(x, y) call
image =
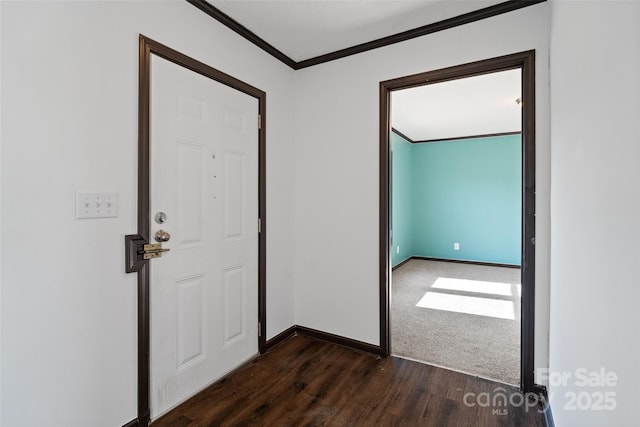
point(133, 260)
point(526, 62)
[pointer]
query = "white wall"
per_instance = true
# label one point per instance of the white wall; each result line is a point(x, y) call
point(0, 225)
point(336, 199)
point(69, 121)
point(595, 207)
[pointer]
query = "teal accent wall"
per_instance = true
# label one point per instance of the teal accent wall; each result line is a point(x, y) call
point(402, 194)
point(466, 191)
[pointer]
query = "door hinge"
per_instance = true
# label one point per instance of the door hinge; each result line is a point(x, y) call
point(259, 121)
point(259, 329)
point(259, 225)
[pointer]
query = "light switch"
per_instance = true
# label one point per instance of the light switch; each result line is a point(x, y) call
point(96, 205)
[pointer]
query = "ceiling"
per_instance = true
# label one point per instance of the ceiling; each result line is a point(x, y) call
point(303, 29)
point(479, 105)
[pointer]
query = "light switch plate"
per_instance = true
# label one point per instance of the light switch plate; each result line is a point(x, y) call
point(96, 205)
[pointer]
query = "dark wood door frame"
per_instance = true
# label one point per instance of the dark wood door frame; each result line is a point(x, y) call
point(134, 242)
point(525, 61)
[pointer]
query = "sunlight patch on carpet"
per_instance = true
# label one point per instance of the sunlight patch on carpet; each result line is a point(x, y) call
point(478, 286)
point(469, 305)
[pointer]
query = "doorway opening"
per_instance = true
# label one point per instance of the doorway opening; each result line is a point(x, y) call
point(458, 289)
point(456, 178)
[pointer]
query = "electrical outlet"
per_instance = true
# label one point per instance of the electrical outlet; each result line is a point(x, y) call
point(456, 246)
point(96, 205)
point(398, 249)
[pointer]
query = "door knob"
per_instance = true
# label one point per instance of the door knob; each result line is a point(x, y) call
point(162, 236)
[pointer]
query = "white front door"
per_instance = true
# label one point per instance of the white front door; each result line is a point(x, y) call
point(204, 181)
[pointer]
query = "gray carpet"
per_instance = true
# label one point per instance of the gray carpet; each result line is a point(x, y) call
point(479, 343)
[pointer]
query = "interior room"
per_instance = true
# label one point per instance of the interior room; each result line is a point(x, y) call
point(456, 224)
point(79, 203)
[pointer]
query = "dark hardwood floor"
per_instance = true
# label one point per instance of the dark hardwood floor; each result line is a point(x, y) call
point(306, 382)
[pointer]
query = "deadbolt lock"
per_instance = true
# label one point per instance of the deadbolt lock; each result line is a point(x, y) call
point(153, 250)
point(161, 217)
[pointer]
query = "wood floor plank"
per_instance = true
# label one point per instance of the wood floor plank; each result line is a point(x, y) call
point(307, 382)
